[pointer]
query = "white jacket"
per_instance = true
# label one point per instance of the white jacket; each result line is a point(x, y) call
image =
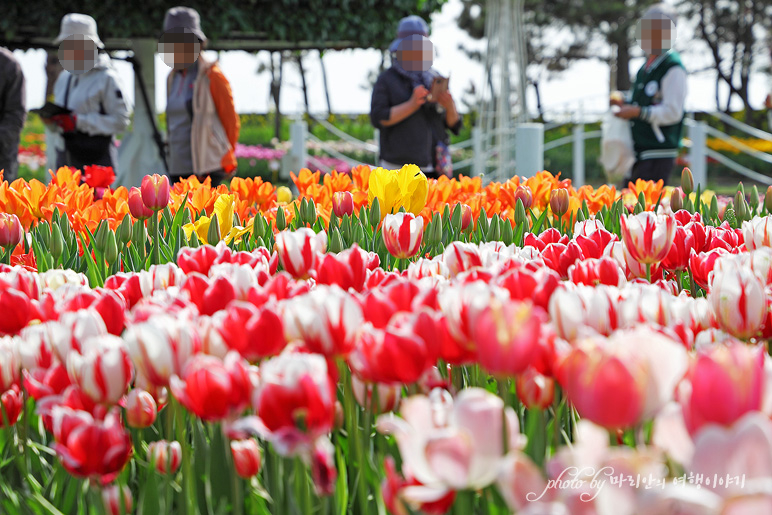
point(92, 93)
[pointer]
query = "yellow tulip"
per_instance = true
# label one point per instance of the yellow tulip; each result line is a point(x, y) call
point(395, 189)
point(283, 195)
point(223, 208)
point(200, 227)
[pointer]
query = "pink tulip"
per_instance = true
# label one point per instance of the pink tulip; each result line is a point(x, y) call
point(619, 381)
point(298, 250)
point(246, 457)
point(141, 409)
point(155, 191)
point(11, 230)
point(524, 194)
point(648, 237)
point(402, 234)
point(102, 369)
point(137, 207)
point(165, 456)
point(724, 382)
point(453, 445)
point(738, 301)
point(343, 203)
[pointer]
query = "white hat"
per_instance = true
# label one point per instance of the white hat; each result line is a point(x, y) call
point(661, 9)
point(75, 23)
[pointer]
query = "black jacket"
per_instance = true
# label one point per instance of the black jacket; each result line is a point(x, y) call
point(12, 112)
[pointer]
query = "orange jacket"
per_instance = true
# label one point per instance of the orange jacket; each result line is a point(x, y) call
point(223, 102)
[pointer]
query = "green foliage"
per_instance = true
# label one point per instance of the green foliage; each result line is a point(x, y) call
point(365, 23)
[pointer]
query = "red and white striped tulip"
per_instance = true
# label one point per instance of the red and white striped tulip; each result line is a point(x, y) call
point(141, 409)
point(246, 457)
point(111, 499)
point(155, 191)
point(165, 456)
point(402, 234)
point(460, 257)
point(739, 301)
point(298, 250)
point(343, 203)
point(102, 369)
point(10, 364)
point(388, 395)
point(535, 391)
point(758, 232)
point(648, 237)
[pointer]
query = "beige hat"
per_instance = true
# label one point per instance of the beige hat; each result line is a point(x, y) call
point(75, 23)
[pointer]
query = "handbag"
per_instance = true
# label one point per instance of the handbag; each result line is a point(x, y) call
point(616, 152)
point(443, 164)
point(86, 148)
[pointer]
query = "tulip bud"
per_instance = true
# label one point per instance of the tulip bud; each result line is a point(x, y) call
point(754, 203)
point(137, 207)
point(310, 211)
point(676, 201)
point(141, 409)
point(466, 216)
point(257, 226)
point(437, 233)
point(336, 241)
point(246, 457)
point(155, 191)
point(559, 201)
point(139, 233)
point(767, 199)
point(535, 390)
point(455, 218)
point(283, 195)
point(741, 189)
point(44, 230)
point(111, 499)
point(213, 235)
point(520, 216)
point(281, 219)
point(739, 203)
point(124, 231)
point(100, 238)
point(687, 181)
point(57, 242)
point(714, 208)
point(729, 216)
point(524, 194)
point(165, 456)
point(375, 213)
point(343, 203)
point(507, 234)
point(194, 241)
point(339, 416)
point(11, 231)
point(111, 248)
point(580, 216)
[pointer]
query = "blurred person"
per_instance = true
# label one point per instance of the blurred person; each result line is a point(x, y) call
point(411, 123)
point(201, 120)
point(90, 94)
point(12, 113)
point(656, 103)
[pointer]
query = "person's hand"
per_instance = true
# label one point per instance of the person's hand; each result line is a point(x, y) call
point(768, 101)
point(628, 111)
point(419, 96)
point(66, 121)
point(445, 99)
point(616, 99)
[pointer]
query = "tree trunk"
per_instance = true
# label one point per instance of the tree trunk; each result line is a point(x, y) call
point(538, 100)
point(623, 65)
point(324, 81)
point(276, 77)
point(299, 58)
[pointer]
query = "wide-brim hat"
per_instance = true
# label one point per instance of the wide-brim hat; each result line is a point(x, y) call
point(409, 26)
point(76, 23)
point(184, 18)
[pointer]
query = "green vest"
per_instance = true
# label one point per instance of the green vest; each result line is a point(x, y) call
point(647, 92)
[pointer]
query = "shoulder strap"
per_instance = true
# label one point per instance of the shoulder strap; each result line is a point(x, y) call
point(67, 92)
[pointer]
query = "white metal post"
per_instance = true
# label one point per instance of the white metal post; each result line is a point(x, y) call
point(529, 149)
point(578, 153)
point(297, 157)
point(377, 136)
point(698, 157)
point(477, 147)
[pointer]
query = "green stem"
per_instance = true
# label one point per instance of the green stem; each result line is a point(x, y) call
point(187, 475)
point(693, 284)
point(648, 272)
point(156, 243)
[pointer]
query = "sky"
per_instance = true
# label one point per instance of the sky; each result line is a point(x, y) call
point(586, 82)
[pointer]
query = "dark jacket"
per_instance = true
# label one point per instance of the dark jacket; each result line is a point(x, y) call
point(12, 112)
point(409, 141)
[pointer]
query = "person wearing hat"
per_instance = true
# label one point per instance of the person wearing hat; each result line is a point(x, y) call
point(201, 119)
point(399, 107)
point(12, 113)
point(656, 104)
point(91, 94)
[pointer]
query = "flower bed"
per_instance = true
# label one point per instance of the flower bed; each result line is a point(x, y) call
point(383, 343)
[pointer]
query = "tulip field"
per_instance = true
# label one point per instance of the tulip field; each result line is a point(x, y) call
point(382, 343)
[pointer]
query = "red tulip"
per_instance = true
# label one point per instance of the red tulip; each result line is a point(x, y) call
point(11, 402)
point(537, 286)
point(46, 382)
point(739, 302)
point(677, 258)
point(165, 456)
point(198, 259)
point(560, 257)
point(724, 382)
point(111, 498)
point(701, 265)
point(541, 241)
point(347, 269)
point(535, 391)
point(99, 176)
point(295, 400)
point(326, 320)
point(647, 237)
point(246, 457)
point(11, 230)
point(15, 307)
point(593, 272)
point(255, 333)
point(102, 369)
point(112, 307)
point(298, 250)
point(402, 234)
point(506, 335)
point(89, 448)
point(137, 207)
point(725, 237)
point(212, 388)
point(141, 409)
point(343, 203)
point(155, 191)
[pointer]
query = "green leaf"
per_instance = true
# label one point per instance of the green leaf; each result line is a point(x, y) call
point(92, 271)
point(177, 223)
